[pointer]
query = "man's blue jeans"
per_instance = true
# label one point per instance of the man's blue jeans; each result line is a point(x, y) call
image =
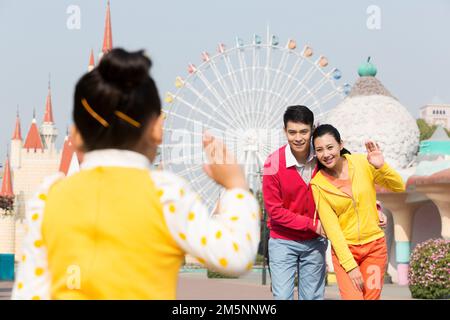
point(307, 258)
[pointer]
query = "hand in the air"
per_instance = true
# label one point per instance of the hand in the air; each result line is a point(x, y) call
point(222, 167)
point(374, 154)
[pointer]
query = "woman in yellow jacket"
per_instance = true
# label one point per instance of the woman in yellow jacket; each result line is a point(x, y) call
point(345, 196)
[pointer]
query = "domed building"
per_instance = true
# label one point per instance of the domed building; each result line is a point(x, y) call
point(370, 111)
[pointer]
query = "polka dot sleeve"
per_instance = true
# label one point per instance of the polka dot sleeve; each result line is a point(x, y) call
point(33, 279)
point(226, 242)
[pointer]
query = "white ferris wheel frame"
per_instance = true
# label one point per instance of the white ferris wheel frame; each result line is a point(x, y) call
point(251, 154)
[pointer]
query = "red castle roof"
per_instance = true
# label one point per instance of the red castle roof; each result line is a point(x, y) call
point(17, 135)
point(48, 116)
point(7, 188)
point(33, 140)
point(107, 37)
point(67, 155)
point(91, 59)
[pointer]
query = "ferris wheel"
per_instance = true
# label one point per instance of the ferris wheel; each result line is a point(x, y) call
point(239, 94)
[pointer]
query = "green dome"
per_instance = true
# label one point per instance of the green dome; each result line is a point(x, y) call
point(367, 69)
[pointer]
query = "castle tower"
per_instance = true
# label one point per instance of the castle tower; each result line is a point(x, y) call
point(39, 158)
point(16, 145)
point(7, 186)
point(36, 156)
point(91, 65)
point(7, 226)
point(70, 160)
point(107, 36)
point(33, 140)
point(48, 129)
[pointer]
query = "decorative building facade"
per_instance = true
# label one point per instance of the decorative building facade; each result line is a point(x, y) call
point(436, 114)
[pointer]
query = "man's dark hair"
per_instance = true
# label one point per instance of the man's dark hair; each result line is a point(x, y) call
point(298, 114)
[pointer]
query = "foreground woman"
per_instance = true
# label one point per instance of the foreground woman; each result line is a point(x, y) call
point(117, 229)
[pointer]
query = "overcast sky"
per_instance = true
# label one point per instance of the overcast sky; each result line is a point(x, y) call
point(411, 49)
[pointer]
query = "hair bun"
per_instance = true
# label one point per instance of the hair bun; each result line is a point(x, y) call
point(124, 69)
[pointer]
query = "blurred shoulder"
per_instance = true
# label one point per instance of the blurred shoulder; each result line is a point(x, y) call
point(75, 182)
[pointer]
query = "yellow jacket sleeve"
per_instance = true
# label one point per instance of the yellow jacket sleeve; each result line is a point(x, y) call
point(388, 178)
point(332, 228)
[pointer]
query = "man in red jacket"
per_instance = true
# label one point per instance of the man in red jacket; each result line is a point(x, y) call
point(295, 244)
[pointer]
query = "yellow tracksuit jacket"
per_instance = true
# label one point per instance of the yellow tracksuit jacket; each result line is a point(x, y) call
point(353, 220)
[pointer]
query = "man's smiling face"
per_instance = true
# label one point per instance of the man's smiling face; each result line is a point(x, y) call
point(298, 135)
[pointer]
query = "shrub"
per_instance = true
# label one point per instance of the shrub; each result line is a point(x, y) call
point(429, 273)
point(6, 205)
point(259, 260)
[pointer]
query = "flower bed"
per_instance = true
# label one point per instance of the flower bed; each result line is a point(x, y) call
point(429, 273)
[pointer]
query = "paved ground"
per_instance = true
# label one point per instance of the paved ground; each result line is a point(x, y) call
point(196, 286)
point(5, 290)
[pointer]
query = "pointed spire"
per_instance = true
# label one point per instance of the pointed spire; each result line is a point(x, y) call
point(48, 116)
point(7, 187)
point(70, 159)
point(33, 140)
point(17, 131)
point(91, 61)
point(66, 155)
point(107, 37)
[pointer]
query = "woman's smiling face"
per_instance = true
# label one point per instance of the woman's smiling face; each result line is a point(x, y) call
point(328, 150)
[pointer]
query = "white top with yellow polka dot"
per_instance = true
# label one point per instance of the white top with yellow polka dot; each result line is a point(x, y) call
point(226, 242)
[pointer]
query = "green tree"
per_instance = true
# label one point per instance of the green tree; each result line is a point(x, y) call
point(426, 131)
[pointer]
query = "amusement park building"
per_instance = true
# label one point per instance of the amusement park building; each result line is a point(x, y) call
point(436, 114)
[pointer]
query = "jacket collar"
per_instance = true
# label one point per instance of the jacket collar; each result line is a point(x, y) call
point(115, 158)
point(323, 183)
point(290, 159)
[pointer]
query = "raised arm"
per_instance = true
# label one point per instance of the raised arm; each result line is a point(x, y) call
point(383, 174)
point(226, 242)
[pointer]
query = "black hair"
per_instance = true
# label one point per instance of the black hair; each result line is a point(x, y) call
point(120, 83)
point(298, 113)
point(324, 129)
